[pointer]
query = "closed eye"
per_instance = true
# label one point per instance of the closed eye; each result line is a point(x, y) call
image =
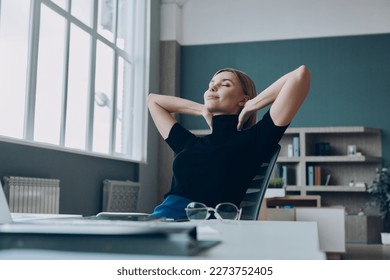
point(225, 83)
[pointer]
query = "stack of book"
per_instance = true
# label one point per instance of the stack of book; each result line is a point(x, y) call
point(293, 150)
point(314, 176)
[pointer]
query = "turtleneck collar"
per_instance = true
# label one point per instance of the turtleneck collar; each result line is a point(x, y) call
point(225, 124)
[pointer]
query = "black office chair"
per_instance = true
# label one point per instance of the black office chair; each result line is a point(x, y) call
point(253, 198)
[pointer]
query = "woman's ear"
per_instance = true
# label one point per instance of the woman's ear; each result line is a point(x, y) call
point(243, 101)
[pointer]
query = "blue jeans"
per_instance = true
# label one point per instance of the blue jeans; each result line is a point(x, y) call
point(172, 207)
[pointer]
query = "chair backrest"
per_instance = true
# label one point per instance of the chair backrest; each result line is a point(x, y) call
point(253, 198)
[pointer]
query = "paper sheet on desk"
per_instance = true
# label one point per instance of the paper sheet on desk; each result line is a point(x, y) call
point(208, 233)
point(20, 217)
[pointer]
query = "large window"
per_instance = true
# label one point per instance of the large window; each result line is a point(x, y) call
point(73, 74)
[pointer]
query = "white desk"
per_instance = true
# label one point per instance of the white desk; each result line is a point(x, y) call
point(268, 240)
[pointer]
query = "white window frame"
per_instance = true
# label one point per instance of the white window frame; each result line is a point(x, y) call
point(139, 59)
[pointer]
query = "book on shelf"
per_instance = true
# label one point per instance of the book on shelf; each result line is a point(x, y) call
point(296, 151)
point(327, 180)
point(290, 150)
point(310, 175)
point(286, 173)
point(317, 175)
point(314, 175)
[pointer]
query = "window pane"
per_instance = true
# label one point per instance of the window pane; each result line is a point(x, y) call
point(106, 24)
point(103, 99)
point(124, 113)
point(120, 134)
point(76, 115)
point(82, 10)
point(49, 77)
point(61, 3)
point(126, 16)
point(13, 57)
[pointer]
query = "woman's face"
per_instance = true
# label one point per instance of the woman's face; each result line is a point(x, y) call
point(225, 94)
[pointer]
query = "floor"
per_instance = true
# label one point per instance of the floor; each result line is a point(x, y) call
point(366, 252)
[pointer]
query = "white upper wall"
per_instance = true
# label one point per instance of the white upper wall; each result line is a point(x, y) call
point(194, 22)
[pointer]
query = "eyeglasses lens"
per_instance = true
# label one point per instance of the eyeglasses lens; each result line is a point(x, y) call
point(196, 211)
point(227, 211)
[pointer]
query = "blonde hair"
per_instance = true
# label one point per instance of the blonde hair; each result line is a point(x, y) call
point(249, 89)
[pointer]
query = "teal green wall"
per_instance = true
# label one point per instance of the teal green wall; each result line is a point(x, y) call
point(350, 83)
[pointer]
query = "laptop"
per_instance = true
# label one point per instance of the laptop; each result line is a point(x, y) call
point(98, 235)
point(5, 214)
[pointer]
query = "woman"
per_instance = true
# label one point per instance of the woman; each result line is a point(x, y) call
point(219, 167)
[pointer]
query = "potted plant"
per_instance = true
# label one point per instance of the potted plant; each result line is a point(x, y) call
point(276, 188)
point(380, 194)
point(276, 183)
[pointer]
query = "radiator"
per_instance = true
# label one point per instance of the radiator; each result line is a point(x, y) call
point(120, 196)
point(32, 195)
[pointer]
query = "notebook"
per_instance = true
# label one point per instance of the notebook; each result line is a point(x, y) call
point(98, 235)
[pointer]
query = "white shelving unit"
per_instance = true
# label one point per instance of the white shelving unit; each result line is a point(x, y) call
point(342, 168)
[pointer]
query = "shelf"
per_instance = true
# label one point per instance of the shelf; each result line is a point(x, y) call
point(319, 159)
point(294, 200)
point(289, 159)
point(335, 129)
point(342, 159)
point(343, 168)
point(306, 189)
point(326, 149)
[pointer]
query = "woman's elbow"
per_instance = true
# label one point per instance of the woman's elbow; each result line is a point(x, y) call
point(151, 99)
point(304, 76)
point(304, 73)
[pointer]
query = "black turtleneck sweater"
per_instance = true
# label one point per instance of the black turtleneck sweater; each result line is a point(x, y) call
point(219, 167)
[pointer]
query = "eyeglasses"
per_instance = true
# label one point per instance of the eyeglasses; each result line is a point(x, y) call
point(223, 211)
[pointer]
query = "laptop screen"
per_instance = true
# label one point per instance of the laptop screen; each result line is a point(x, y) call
point(5, 215)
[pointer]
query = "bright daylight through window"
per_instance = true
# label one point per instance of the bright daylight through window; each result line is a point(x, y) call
point(73, 74)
